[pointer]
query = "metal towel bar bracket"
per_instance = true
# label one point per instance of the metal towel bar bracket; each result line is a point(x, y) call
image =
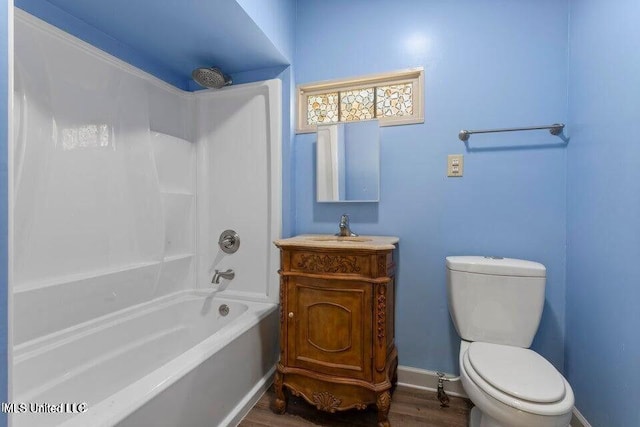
point(554, 129)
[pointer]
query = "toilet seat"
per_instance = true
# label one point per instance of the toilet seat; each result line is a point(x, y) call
point(517, 371)
point(514, 384)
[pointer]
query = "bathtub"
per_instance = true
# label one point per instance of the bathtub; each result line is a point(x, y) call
point(174, 361)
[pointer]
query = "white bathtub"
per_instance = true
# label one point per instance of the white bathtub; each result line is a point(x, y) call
point(175, 361)
point(102, 268)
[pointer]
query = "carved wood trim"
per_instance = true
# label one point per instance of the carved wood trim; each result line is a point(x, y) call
point(369, 385)
point(326, 401)
point(283, 309)
point(282, 302)
point(381, 312)
point(329, 263)
point(337, 276)
point(280, 404)
point(382, 265)
point(383, 402)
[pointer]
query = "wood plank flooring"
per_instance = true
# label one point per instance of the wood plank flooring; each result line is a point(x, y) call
point(409, 408)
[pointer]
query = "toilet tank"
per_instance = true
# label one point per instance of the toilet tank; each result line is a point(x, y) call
point(495, 300)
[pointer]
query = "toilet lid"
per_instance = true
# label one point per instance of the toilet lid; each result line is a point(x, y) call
point(516, 371)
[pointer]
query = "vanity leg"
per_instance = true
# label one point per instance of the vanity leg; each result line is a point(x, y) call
point(280, 405)
point(383, 402)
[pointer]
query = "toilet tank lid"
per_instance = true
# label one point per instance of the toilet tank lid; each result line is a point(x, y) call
point(496, 265)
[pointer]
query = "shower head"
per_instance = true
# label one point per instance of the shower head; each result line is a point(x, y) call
point(210, 77)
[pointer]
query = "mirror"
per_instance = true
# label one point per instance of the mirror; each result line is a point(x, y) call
point(348, 162)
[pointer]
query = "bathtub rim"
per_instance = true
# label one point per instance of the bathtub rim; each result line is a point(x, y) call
point(55, 339)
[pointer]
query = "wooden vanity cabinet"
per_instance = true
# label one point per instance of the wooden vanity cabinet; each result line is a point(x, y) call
point(337, 346)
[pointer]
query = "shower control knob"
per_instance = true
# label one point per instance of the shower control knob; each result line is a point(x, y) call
point(229, 241)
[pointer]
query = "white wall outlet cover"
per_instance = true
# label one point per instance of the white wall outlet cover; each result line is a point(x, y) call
point(455, 165)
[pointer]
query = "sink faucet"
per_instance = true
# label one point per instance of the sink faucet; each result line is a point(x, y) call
point(229, 275)
point(344, 227)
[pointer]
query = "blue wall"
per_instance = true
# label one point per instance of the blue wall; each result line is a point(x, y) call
point(4, 318)
point(487, 64)
point(276, 19)
point(603, 234)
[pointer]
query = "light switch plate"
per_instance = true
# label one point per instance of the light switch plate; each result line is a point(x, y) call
point(455, 164)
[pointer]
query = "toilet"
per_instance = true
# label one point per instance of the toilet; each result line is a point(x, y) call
point(496, 305)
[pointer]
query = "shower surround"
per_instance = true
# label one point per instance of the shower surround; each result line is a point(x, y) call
point(121, 185)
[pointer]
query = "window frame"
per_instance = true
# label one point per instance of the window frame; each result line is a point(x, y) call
point(411, 75)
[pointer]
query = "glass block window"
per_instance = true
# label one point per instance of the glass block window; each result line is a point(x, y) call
point(392, 98)
point(357, 104)
point(322, 108)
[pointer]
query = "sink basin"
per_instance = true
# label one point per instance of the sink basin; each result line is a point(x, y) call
point(338, 239)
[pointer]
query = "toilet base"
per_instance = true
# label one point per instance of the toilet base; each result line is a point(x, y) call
point(474, 417)
point(478, 419)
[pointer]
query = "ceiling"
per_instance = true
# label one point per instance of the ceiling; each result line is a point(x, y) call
point(167, 38)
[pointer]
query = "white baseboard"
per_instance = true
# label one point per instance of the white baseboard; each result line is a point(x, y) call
point(244, 406)
point(423, 379)
point(578, 420)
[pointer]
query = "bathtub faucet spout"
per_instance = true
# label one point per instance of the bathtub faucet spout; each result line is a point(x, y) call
point(229, 275)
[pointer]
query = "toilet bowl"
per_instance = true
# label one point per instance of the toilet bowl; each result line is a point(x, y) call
point(501, 396)
point(496, 305)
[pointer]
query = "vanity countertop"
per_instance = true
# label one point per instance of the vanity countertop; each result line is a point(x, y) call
point(328, 241)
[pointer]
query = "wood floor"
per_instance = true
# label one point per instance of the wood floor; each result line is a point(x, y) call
point(409, 408)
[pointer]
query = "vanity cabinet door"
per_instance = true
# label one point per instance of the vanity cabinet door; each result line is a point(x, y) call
point(329, 328)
